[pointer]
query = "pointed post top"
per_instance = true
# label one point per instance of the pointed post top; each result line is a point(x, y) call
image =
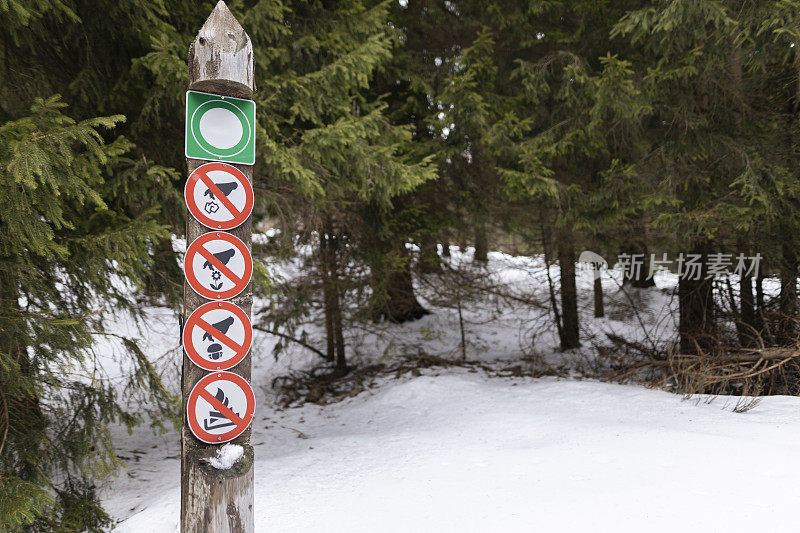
point(221, 56)
point(222, 25)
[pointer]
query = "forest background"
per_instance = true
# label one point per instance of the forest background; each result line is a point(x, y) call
point(389, 133)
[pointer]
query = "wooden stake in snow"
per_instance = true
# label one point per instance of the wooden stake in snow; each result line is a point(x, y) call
point(213, 499)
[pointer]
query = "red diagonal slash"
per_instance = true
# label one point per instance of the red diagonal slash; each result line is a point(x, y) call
point(221, 407)
point(218, 264)
point(217, 334)
point(222, 198)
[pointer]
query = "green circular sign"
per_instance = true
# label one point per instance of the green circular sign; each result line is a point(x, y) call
point(220, 128)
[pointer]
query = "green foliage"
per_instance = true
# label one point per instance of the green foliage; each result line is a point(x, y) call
point(723, 124)
point(80, 510)
point(21, 502)
point(380, 123)
point(18, 15)
point(328, 148)
point(66, 253)
point(317, 128)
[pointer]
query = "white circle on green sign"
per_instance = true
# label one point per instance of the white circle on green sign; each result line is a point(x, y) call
point(220, 128)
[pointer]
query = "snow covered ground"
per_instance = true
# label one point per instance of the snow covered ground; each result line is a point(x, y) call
point(460, 451)
point(457, 450)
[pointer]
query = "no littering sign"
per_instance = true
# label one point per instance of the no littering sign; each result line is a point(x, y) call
point(219, 196)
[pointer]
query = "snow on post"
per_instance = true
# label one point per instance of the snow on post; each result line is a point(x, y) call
point(226, 457)
point(214, 499)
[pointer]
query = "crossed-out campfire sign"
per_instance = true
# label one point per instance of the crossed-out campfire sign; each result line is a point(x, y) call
point(220, 407)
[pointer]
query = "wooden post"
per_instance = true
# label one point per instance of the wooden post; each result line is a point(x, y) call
point(220, 62)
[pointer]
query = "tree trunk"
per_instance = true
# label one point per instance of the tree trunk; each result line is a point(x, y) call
point(481, 243)
point(760, 310)
point(327, 296)
point(746, 326)
point(639, 276)
point(570, 335)
point(395, 299)
point(599, 310)
point(787, 330)
point(696, 308)
point(550, 285)
point(220, 62)
point(429, 262)
point(336, 309)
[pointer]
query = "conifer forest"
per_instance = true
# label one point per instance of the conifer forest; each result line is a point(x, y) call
point(519, 265)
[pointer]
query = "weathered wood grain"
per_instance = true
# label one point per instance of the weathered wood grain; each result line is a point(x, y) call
point(220, 62)
point(221, 57)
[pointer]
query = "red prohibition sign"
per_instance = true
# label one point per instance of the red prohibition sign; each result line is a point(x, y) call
point(217, 335)
point(218, 265)
point(219, 196)
point(220, 407)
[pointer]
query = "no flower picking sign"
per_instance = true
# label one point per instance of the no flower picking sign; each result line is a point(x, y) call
point(217, 265)
point(220, 128)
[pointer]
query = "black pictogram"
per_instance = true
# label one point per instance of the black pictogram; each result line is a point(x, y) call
point(211, 206)
point(215, 349)
point(221, 326)
point(216, 419)
point(224, 257)
point(224, 188)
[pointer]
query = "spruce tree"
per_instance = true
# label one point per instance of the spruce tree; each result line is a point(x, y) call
point(80, 228)
point(717, 75)
point(410, 82)
point(327, 148)
point(66, 256)
point(109, 57)
point(540, 100)
point(428, 40)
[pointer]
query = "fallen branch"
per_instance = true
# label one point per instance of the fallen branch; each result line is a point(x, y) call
point(749, 355)
point(293, 339)
point(639, 347)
